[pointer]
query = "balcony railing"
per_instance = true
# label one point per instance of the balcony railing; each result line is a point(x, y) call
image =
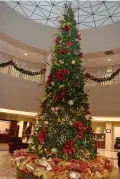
point(10, 70)
point(103, 75)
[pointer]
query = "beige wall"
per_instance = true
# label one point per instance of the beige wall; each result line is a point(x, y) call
point(19, 94)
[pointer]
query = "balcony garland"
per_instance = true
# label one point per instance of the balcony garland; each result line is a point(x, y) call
point(24, 71)
point(99, 80)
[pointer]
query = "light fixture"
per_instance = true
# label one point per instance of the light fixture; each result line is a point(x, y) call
point(109, 59)
point(24, 113)
point(25, 54)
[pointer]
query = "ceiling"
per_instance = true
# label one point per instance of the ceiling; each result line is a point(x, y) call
point(11, 52)
point(88, 14)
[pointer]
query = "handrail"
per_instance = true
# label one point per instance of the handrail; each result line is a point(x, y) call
point(115, 80)
point(41, 77)
point(13, 72)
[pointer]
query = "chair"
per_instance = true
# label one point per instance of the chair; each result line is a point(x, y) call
point(15, 143)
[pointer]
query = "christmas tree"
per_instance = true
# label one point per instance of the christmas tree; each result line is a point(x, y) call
point(64, 130)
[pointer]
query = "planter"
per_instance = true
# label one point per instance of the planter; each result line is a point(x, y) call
point(22, 175)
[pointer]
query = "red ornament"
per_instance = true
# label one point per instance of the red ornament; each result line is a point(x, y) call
point(76, 84)
point(69, 44)
point(65, 72)
point(57, 40)
point(68, 149)
point(42, 135)
point(66, 28)
point(78, 36)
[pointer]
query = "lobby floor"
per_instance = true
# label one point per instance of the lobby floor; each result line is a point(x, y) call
point(6, 172)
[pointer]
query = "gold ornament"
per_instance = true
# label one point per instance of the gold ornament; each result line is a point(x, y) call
point(54, 150)
point(73, 62)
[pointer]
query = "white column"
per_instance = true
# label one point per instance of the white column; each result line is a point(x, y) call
point(20, 123)
point(109, 137)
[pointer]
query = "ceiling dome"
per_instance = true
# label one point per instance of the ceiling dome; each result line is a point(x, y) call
point(88, 14)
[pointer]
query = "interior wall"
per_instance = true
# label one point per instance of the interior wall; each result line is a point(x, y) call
point(20, 94)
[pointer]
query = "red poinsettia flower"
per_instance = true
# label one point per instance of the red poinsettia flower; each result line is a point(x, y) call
point(66, 28)
point(57, 40)
point(78, 36)
point(42, 135)
point(69, 148)
point(78, 124)
point(69, 44)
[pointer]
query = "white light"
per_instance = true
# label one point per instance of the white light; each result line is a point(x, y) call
point(25, 54)
point(105, 119)
point(109, 60)
point(2, 110)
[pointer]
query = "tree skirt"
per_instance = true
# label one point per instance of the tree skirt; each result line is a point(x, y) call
point(29, 166)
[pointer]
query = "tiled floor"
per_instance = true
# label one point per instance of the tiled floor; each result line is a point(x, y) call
point(6, 172)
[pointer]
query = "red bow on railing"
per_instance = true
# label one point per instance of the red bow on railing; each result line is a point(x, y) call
point(42, 135)
point(68, 149)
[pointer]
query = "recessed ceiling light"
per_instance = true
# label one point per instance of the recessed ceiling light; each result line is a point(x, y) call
point(25, 54)
point(109, 60)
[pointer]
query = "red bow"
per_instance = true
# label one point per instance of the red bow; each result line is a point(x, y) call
point(42, 135)
point(68, 149)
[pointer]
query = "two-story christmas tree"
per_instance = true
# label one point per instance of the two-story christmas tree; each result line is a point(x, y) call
point(63, 139)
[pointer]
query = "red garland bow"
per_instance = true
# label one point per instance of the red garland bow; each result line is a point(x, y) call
point(42, 135)
point(69, 149)
point(87, 75)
